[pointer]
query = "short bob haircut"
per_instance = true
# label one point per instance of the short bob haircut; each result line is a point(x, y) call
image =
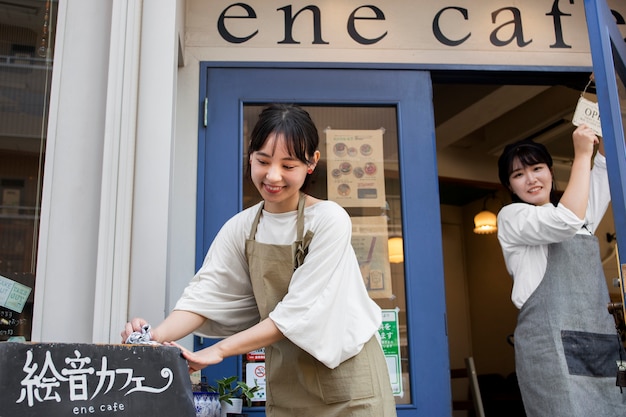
point(529, 153)
point(296, 126)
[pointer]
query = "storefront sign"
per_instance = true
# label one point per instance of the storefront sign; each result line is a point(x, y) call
point(497, 32)
point(64, 380)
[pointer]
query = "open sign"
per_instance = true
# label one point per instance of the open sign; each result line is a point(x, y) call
point(588, 112)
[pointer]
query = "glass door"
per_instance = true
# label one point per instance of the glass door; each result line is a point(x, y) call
point(378, 162)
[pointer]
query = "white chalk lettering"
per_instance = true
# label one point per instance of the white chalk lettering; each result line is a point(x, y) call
point(43, 383)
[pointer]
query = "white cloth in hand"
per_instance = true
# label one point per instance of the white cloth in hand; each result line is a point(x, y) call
point(142, 337)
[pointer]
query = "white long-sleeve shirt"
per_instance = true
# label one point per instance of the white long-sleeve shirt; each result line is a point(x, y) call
point(525, 231)
point(326, 312)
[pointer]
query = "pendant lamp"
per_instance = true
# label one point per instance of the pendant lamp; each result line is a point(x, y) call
point(485, 222)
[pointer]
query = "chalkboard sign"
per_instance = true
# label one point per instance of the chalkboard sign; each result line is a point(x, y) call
point(68, 379)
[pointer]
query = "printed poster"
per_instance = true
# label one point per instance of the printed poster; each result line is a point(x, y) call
point(390, 340)
point(356, 172)
point(369, 240)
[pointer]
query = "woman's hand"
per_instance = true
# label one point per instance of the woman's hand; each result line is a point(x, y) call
point(261, 334)
point(584, 140)
point(177, 325)
point(200, 359)
point(134, 325)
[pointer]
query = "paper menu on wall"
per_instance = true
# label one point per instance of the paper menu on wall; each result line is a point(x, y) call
point(356, 172)
point(369, 240)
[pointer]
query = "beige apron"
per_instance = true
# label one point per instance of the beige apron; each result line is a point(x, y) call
point(298, 385)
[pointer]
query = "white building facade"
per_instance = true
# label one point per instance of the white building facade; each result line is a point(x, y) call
point(119, 221)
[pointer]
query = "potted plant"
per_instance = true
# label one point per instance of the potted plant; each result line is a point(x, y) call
point(232, 393)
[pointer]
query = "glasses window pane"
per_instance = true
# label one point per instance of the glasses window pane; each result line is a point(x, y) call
point(26, 39)
point(359, 170)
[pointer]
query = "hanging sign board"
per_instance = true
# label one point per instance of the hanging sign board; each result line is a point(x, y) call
point(588, 112)
point(69, 379)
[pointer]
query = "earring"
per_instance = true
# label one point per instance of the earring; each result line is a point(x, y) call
point(309, 171)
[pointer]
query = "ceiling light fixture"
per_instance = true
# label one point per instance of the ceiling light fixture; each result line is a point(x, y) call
point(485, 222)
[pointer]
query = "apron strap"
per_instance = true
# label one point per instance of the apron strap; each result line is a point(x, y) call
point(255, 223)
point(300, 220)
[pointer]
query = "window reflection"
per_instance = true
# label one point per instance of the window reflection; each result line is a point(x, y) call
point(26, 39)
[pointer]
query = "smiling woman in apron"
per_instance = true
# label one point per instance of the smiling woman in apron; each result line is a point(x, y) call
point(283, 275)
point(566, 344)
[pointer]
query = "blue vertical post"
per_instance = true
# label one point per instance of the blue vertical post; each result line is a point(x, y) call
point(608, 52)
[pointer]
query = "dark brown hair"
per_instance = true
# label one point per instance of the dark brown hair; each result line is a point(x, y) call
point(529, 153)
point(296, 126)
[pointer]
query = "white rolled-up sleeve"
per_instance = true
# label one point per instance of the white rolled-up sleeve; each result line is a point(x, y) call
point(524, 232)
point(221, 290)
point(526, 224)
point(599, 193)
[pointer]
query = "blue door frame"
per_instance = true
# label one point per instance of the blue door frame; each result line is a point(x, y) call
point(220, 190)
point(608, 52)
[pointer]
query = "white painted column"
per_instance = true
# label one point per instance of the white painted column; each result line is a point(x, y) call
point(153, 165)
point(113, 268)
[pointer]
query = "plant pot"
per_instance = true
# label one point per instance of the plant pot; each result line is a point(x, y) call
point(234, 408)
point(207, 404)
